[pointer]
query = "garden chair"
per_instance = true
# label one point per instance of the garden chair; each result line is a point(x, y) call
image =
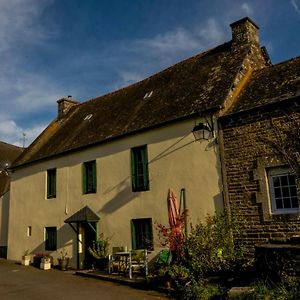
point(114, 261)
point(164, 258)
point(138, 262)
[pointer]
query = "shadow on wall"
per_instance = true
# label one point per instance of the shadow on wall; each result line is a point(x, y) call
point(65, 237)
point(124, 196)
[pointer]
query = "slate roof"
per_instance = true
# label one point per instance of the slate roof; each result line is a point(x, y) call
point(194, 85)
point(82, 216)
point(8, 153)
point(269, 85)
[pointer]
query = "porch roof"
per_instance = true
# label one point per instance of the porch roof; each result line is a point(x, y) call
point(84, 215)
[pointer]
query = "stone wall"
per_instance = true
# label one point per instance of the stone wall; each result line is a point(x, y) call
point(249, 140)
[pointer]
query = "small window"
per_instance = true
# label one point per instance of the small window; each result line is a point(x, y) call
point(89, 177)
point(29, 231)
point(139, 169)
point(50, 238)
point(142, 235)
point(283, 191)
point(51, 183)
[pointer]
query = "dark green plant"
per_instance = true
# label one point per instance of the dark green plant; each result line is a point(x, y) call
point(210, 246)
point(288, 289)
point(100, 247)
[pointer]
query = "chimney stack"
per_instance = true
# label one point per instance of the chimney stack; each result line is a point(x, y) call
point(244, 33)
point(64, 104)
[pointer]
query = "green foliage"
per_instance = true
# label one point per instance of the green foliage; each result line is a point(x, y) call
point(201, 290)
point(210, 246)
point(100, 247)
point(288, 289)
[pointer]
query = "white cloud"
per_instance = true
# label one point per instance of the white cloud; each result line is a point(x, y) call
point(11, 133)
point(295, 6)
point(246, 8)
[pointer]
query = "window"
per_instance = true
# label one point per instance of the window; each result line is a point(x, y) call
point(89, 177)
point(139, 169)
point(142, 236)
point(29, 231)
point(283, 191)
point(51, 183)
point(50, 238)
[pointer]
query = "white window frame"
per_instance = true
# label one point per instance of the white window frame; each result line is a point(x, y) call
point(277, 172)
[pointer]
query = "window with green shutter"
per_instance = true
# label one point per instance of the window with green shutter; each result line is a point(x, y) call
point(139, 169)
point(51, 183)
point(142, 234)
point(89, 177)
point(50, 238)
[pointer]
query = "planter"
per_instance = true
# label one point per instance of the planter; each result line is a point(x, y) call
point(26, 260)
point(45, 265)
point(63, 263)
point(101, 263)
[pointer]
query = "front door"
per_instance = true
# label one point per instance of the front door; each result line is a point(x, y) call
point(89, 235)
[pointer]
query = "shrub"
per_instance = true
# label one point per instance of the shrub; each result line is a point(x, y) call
point(210, 246)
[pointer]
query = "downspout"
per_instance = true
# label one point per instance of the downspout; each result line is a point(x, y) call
point(183, 199)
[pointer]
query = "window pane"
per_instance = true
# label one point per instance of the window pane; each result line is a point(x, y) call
point(277, 192)
point(292, 180)
point(295, 202)
point(287, 203)
point(276, 181)
point(279, 204)
point(293, 191)
point(284, 180)
point(285, 192)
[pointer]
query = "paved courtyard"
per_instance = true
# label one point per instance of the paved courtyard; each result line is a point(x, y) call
point(22, 283)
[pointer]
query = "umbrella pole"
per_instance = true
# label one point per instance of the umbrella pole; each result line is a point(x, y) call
point(182, 196)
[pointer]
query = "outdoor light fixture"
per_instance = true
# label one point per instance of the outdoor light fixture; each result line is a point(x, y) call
point(204, 131)
point(3, 169)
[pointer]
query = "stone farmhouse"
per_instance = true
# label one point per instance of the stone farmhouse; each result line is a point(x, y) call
point(105, 165)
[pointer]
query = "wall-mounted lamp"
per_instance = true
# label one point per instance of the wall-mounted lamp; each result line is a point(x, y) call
point(202, 132)
point(3, 169)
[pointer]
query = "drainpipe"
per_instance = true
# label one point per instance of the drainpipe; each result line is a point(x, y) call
point(183, 198)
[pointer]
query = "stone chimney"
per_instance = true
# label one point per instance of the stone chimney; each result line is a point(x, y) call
point(64, 104)
point(244, 33)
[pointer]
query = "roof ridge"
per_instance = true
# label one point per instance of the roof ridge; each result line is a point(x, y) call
point(198, 55)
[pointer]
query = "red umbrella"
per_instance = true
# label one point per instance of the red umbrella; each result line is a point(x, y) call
point(173, 209)
point(176, 222)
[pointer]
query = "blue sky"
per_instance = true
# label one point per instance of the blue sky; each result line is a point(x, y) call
point(53, 48)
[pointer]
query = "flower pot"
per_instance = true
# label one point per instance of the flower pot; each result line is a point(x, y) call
point(26, 260)
point(63, 263)
point(45, 265)
point(101, 263)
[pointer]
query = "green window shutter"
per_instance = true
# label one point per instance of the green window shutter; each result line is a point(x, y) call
point(133, 170)
point(133, 234)
point(84, 178)
point(54, 183)
point(94, 166)
point(144, 155)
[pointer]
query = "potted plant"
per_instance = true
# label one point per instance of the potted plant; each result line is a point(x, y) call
point(99, 251)
point(45, 262)
point(26, 258)
point(63, 261)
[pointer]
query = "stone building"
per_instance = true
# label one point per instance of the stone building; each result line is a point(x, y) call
point(261, 153)
point(105, 165)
